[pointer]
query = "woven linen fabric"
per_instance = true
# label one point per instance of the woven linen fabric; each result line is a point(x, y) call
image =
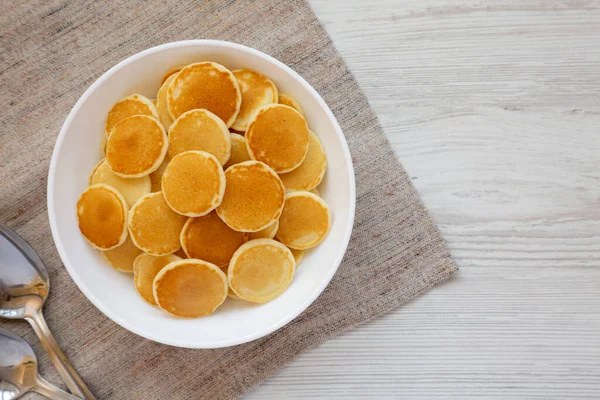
point(51, 51)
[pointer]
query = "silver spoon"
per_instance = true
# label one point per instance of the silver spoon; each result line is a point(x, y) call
point(19, 372)
point(24, 287)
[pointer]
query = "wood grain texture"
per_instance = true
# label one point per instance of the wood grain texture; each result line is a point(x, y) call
point(494, 110)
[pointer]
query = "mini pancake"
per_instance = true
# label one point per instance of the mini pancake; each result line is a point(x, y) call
point(136, 146)
point(254, 197)
point(145, 269)
point(261, 270)
point(161, 103)
point(102, 216)
point(156, 176)
point(205, 85)
point(154, 101)
point(200, 130)
point(298, 256)
point(310, 173)
point(131, 188)
point(239, 152)
point(305, 221)
point(121, 258)
point(278, 136)
point(190, 288)
point(208, 238)
point(267, 233)
point(132, 105)
point(154, 227)
point(171, 72)
point(257, 91)
point(193, 183)
point(289, 101)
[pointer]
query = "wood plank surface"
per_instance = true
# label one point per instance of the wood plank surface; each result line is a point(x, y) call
point(493, 108)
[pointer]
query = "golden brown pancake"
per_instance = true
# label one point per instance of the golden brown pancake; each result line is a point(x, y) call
point(169, 73)
point(145, 269)
point(205, 85)
point(257, 91)
point(239, 152)
point(315, 191)
point(193, 183)
point(154, 227)
point(298, 256)
point(190, 288)
point(289, 101)
point(200, 130)
point(131, 188)
point(208, 238)
point(278, 136)
point(305, 221)
point(136, 146)
point(310, 173)
point(132, 105)
point(121, 258)
point(266, 233)
point(102, 216)
point(161, 104)
point(154, 102)
point(254, 197)
point(261, 270)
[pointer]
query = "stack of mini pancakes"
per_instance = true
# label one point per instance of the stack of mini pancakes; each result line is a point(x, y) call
point(198, 212)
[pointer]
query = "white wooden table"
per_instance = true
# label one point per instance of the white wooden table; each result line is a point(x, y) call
point(493, 107)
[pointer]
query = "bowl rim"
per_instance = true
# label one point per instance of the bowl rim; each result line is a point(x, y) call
point(302, 306)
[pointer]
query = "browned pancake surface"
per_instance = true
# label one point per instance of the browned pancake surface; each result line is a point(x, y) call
point(145, 269)
point(190, 288)
point(102, 216)
point(200, 130)
point(257, 91)
point(310, 173)
point(121, 258)
point(254, 197)
point(136, 147)
point(278, 136)
point(193, 183)
point(289, 101)
point(305, 220)
point(205, 85)
point(208, 238)
point(132, 105)
point(261, 270)
point(239, 151)
point(154, 227)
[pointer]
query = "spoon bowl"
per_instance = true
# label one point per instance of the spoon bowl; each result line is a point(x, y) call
point(24, 287)
point(19, 371)
point(24, 283)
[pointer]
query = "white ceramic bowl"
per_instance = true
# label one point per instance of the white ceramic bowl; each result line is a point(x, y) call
point(78, 149)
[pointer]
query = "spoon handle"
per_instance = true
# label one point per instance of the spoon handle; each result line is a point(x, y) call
point(73, 381)
point(47, 389)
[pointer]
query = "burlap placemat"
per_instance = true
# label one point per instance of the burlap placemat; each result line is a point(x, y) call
point(51, 51)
